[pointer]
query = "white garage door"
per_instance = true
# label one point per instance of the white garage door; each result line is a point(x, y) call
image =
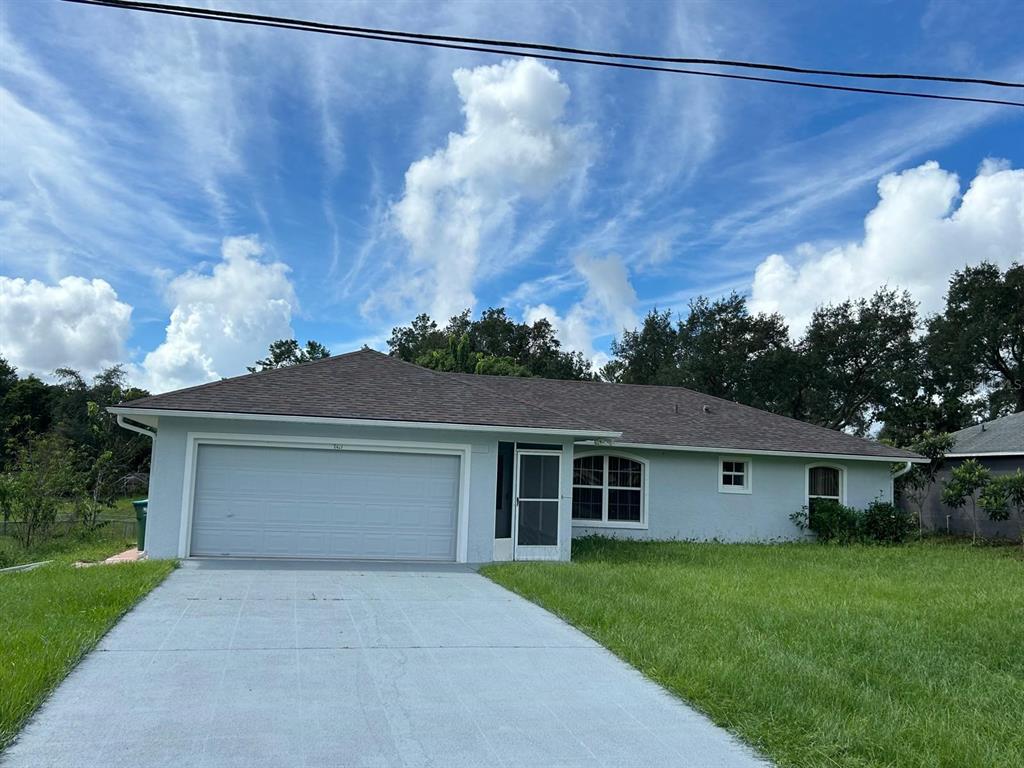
point(301, 502)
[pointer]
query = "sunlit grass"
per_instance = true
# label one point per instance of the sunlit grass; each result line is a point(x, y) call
point(52, 616)
point(816, 655)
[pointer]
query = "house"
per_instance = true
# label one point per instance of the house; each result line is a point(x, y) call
point(365, 456)
point(996, 444)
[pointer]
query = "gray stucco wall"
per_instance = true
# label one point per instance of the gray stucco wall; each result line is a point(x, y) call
point(934, 512)
point(685, 503)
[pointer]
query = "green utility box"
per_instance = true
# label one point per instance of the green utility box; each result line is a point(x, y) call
point(141, 507)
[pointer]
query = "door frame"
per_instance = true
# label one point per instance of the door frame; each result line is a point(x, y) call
point(193, 441)
point(535, 551)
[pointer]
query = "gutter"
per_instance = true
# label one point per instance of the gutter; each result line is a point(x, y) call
point(135, 427)
point(120, 411)
point(750, 451)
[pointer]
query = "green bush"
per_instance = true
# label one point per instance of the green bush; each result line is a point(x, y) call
point(885, 522)
point(831, 521)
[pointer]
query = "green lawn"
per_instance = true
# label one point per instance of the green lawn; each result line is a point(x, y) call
point(52, 616)
point(906, 656)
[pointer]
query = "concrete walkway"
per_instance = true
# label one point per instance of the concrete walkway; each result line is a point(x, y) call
point(256, 665)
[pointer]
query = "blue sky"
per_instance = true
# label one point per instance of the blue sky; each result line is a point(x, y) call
point(175, 194)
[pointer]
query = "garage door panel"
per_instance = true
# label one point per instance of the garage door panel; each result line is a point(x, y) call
point(301, 502)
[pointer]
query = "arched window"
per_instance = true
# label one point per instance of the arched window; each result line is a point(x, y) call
point(607, 490)
point(824, 482)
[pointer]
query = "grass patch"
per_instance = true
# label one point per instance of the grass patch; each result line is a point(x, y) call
point(76, 543)
point(815, 655)
point(52, 616)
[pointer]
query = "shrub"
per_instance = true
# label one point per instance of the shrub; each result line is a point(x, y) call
point(46, 476)
point(1003, 499)
point(885, 522)
point(834, 522)
point(966, 483)
point(830, 521)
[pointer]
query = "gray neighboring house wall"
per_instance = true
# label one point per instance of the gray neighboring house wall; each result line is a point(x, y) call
point(409, 463)
point(996, 444)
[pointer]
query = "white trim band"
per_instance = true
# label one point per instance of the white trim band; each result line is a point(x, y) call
point(752, 452)
point(360, 422)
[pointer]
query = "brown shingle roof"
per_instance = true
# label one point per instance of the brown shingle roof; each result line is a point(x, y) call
point(365, 385)
point(371, 385)
point(655, 415)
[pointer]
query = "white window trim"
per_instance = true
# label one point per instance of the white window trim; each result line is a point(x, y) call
point(807, 482)
point(644, 486)
point(193, 441)
point(748, 475)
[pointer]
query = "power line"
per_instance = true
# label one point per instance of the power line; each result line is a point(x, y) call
point(612, 55)
point(436, 41)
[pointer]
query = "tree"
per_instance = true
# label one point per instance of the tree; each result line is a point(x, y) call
point(916, 484)
point(1003, 499)
point(722, 347)
point(46, 477)
point(976, 346)
point(285, 352)
point(649, 355)
point(966, 483)
point(25, 410)
point(410, 342)
point(494, 344)
point(860, 358)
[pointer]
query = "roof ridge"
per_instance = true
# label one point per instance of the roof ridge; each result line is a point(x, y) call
point(458, 376)
point(279, 369)
point(672, 387)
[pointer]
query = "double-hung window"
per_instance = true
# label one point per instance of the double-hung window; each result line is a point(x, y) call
point(607, 490)
point(824, 483)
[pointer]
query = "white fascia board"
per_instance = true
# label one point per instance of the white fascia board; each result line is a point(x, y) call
point(983, 454)
point(131, 413)
point(753, 452)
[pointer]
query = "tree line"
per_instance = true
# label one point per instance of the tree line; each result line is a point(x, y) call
point(870, 365)
point(61, 454)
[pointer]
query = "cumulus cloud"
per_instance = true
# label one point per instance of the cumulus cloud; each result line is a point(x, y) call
point(607, 307)
point(222, 320)
point(76, 322)
point(914, 238)
point(515, 146)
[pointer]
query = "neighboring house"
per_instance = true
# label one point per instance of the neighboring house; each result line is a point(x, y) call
point(365, 456)
point(998, 445)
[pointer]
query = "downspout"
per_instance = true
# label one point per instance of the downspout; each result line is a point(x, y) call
point(907, 466)
point(122, 422)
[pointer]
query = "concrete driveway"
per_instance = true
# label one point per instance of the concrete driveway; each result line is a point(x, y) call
point(250, 664)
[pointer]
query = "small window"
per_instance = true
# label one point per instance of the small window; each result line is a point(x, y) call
point(607, 490)
point(733, 475)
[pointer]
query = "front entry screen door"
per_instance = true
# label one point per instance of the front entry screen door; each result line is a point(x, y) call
point(538, 496)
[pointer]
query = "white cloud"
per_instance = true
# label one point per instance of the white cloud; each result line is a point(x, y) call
point(515, 145)
point(76, 323)
point(914, 238)
point(606, 308)
point(224, 320)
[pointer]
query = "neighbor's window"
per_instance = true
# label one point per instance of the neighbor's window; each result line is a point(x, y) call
point(733, 476)
point(824, 483)
point(607, 489)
